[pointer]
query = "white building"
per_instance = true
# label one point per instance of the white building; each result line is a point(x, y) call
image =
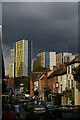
point(71, 83)
point(52, 60)
point(47, 59)
point(67, 57)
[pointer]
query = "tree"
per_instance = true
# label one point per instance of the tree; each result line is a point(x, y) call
point(26, 82)
point(76, 75)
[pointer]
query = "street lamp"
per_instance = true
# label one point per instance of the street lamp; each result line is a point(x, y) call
point(57, 95)
point(57, 84)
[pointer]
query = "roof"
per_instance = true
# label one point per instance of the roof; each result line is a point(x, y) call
point(59, 71)
point(75, 60)
point(35, 75)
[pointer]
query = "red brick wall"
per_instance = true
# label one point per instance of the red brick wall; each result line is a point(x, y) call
point(45, 80)
point(51, 84)
point(31, 88)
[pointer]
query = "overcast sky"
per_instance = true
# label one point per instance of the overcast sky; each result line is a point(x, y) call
point(50, 26)
point(40, 0)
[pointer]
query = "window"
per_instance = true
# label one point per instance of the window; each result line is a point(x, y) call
point(68, 84)
point(61, 87)
point(71, 83)
point(68, 69)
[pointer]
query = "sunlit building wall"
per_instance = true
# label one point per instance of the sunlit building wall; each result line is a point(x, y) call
point(23, 58)
point(11, 68)
point(41, 59)
point(35, 64)
point(46, 59)
point(62, 58)
point(66, 57)
point(59, 59)
point(52, 57)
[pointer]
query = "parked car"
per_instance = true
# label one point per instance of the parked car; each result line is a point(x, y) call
point(49, 106)
point(29, 106)
point(39, 109)
point(25, 103)
point(70, 112)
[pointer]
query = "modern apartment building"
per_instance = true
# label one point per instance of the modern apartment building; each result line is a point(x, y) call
point(67, 57)
point(62, 58)
point(46, 59)
point(11, 67)
point(59, 59)
point(41, 59)
point(23, 58)
point(34, 63)
point(52, 60)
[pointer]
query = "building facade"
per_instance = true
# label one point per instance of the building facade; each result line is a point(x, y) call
point(46, 59)
point(62, 58)
point(58, 59)
point(11, 67)
point(72, 84)
point(23, 58)
point(67, 57)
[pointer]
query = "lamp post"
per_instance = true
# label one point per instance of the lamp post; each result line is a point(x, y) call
point(56, 97)
point(57, 86)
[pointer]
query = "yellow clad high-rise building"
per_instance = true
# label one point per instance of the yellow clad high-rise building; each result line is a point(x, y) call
point(23, 58)
point(11, 68)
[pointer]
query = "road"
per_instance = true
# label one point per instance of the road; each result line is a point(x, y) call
point(23, 112)
point(28, 115)
point(25, 115)
point(32, 116)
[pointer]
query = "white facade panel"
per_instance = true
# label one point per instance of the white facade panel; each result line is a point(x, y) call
point(25, 58)
point(64, 82)
point(52, 60)
point(60, 83)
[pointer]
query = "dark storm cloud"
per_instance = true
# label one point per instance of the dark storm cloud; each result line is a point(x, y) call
point(50, 26)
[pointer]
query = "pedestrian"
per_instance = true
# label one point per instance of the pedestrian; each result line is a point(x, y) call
point(12, 106)
point(17, 110)
point(9, 114)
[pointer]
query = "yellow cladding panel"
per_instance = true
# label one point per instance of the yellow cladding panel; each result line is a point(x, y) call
point(11, 68)
point(19, 58)
point(12, 56)
point(42, 59)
